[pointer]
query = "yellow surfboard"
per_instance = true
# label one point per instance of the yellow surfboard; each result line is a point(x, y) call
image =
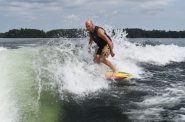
point(117, 76)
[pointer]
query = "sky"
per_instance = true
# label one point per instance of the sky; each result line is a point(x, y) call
point(58, 14)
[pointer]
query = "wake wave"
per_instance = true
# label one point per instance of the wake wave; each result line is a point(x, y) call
point(68, 67)
point(156, 54)
point(72, 68)
point(159, 55)
point(2, 49)
point(8, 109)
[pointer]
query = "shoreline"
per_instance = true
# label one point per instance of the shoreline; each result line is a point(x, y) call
point(81, 33)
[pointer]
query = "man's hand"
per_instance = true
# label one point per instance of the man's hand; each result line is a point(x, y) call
point(112, 54)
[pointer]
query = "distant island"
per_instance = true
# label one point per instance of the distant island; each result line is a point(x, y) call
point(81, 33)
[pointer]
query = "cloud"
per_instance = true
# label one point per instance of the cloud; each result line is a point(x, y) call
point(155, 3)
point(83, 3)
point(32, 1)
point(29, 9)
point(72, 17)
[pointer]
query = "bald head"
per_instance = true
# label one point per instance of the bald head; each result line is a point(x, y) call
point(88, 22)
point(89, 25)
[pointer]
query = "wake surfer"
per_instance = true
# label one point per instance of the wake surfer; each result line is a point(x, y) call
point(103, 41)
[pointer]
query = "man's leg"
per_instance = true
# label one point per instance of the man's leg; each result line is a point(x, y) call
point(108, 63)
point(97, 59)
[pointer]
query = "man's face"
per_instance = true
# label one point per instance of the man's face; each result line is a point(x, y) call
point(89, 27)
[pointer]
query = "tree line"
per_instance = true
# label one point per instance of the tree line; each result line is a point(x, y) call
point(35, 33)
point(81, 33)
point(139, 33)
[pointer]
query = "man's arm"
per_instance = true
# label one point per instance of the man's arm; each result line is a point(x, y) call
point(101, 33)
point(90, 43)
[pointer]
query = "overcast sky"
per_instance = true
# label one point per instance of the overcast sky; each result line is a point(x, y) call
point(55, 14)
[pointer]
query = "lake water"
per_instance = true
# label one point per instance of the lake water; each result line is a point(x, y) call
point(56, 80)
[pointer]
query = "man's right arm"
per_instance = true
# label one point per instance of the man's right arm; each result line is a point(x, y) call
point(90, 41)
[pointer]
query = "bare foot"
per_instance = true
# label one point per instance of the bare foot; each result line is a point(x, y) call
point(114, 72)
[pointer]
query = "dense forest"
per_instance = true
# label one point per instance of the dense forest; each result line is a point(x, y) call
point(139, 33)
point(34, 33)
point(80, 33)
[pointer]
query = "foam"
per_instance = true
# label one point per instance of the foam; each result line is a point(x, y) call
point(74, 70)
point(154, 105)
point(159, 55)
point(2, 49)
point(8, 109)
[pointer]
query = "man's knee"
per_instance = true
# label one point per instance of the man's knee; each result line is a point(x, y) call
point(103, 60)
point(98, 59)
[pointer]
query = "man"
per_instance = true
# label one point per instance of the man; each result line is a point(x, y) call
point(103, 41)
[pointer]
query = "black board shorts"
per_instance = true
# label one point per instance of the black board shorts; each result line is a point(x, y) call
point(105, 51)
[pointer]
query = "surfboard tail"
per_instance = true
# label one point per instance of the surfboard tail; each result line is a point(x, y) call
point(117, 76)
